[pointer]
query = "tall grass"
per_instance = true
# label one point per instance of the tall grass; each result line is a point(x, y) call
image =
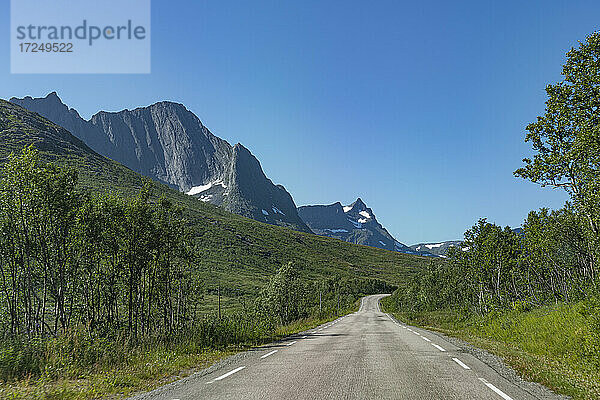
point(556, 345)
point(77, 366)
point(75, 352)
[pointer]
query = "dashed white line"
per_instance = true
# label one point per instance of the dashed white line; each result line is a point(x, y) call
point(229, 373)
point(303, 337)
point(495, 389)
point(268, 354)
point(291, 343)
point(425, 339)
point(462, 364)
point(440, 348)
point(416, 333)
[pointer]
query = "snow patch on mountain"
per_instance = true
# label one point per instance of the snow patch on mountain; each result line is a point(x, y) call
point(203, 188)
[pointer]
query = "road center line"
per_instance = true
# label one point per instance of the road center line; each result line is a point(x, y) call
point(495, 389)
point(416, 333)
point(268, 354)
point(462, 364)
point(291, 343)
point(425, 339)
point(229, 373)
point(440, 348)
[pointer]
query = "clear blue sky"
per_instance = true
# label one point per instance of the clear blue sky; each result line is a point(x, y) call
point(417, 107)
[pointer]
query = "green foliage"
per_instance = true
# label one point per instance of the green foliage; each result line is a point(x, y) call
point(86, 280)
point(591, 340)
point(285, 296)
point(288, 298)
point(498, 269)
point(69, 259)
point(566, 139)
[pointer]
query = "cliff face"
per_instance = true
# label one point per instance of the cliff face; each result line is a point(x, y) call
point(169, 143)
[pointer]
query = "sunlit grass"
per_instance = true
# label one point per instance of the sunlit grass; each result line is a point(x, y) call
point(549, 345)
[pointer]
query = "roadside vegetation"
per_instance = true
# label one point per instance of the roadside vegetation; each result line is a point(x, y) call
point(99, 294)
point(112, 284)
point(531, 295)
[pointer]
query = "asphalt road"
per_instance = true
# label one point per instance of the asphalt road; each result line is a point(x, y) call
point(365, 355)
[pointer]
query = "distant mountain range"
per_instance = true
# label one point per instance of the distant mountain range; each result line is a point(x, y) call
point(439, 249)
point(234, 252)
point(168, 143)
point(355, 223)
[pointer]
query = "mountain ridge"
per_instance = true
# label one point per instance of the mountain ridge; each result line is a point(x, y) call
point(169, 143)
point(234, 253)
point(355, 223)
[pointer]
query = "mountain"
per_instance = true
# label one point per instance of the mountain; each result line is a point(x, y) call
point(355, 223)
point(438, 249)
point(167, 142)
point(441, 248)
point(234, 252)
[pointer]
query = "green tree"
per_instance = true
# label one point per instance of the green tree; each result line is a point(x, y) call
point(566, 139)
point(285, 295)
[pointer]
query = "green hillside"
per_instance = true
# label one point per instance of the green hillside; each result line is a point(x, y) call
point(236, 253)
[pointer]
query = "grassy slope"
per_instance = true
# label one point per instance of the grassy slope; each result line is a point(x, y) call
point(544, 345)
point(236, 253)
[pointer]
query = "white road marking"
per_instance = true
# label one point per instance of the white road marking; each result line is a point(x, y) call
point(462, 364)
point(440, 348)
point(416, 333)
point(291, 343)
point(229, 373)
point(268, 354)
point(495, 389)
point(303, 337)
point(425, 339)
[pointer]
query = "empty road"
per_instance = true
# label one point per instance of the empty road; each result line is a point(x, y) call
point(365, 355)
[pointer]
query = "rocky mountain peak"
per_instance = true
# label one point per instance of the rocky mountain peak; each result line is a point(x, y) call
point(167, 142)
point(356, 207)
point(53, 96)
point(51, 105)
point(359, 204)
point(355, 223)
